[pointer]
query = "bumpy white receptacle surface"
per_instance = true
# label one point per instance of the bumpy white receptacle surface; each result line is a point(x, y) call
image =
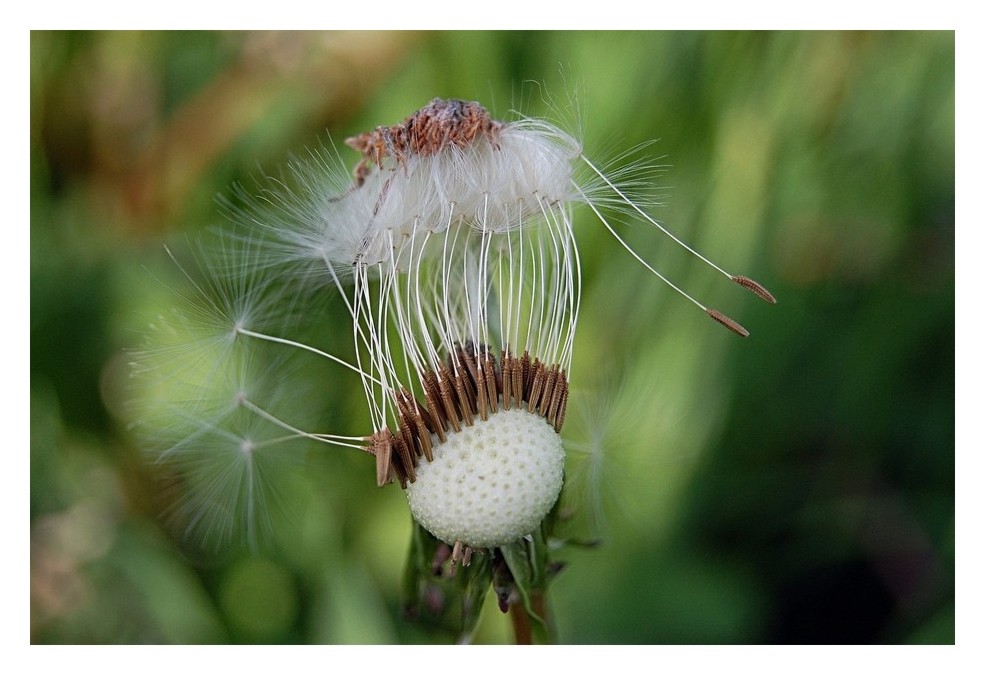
point(491, 483)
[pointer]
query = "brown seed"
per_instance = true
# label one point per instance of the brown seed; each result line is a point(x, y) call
point(727, 322)
point(489, 374)
point(432, 394)
point(508, 364)
point(756, 288)
point(536, 386)
point(383, 449)
point(448, 397)
point(464, 394)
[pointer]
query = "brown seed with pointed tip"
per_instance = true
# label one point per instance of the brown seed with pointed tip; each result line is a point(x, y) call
point(731, 324)
point(756, 288)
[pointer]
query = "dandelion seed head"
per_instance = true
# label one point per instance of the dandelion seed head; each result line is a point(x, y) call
point(452, 246)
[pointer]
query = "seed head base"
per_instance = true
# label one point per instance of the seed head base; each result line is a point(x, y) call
point(490, 484)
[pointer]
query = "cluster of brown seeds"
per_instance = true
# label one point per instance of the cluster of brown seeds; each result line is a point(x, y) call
point(471, 385)
point(427, 132)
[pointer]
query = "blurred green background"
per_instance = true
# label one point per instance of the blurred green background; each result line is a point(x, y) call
point(796, 487)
